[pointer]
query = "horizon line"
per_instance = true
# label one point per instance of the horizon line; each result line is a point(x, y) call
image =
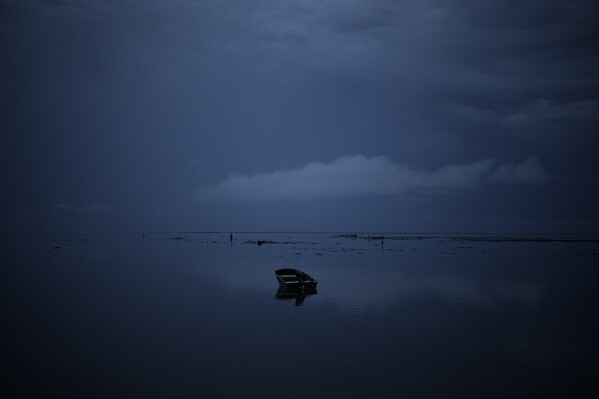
point(345, 232)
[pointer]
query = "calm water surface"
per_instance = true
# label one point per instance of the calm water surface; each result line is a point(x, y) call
point(192, 315)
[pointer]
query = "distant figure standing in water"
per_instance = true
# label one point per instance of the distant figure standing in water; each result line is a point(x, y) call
point(231, 238)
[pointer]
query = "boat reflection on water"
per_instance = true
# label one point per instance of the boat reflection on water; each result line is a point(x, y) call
point(299, 295)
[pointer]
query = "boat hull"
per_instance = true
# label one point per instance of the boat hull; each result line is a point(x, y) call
point(297, 285)
point(295, 280)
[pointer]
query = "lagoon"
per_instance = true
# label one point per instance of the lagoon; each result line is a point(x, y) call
point(194, 315)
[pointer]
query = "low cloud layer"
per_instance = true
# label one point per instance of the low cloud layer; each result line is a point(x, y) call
point(357, 175)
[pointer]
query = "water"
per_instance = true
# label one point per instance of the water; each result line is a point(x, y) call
point(192, 315)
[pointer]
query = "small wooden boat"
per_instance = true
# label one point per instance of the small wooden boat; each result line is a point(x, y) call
point(295, 280)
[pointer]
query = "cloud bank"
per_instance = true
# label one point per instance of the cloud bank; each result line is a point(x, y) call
point(357, 175)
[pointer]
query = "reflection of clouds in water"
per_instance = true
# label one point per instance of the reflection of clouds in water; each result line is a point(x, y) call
point(377, 289)
point(358, 290)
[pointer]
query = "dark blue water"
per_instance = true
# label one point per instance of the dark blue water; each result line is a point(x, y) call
point(98, 315)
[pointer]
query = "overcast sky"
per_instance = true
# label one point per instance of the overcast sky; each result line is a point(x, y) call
point(304, 115)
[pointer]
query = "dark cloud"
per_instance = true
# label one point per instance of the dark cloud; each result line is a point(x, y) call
point(61, 206)
point(546, 111)
point(140, 103)
point(528, 171)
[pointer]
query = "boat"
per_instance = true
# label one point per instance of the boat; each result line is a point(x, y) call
point(295, 280)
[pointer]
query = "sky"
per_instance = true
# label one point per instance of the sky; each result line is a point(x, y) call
point(304, 115)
